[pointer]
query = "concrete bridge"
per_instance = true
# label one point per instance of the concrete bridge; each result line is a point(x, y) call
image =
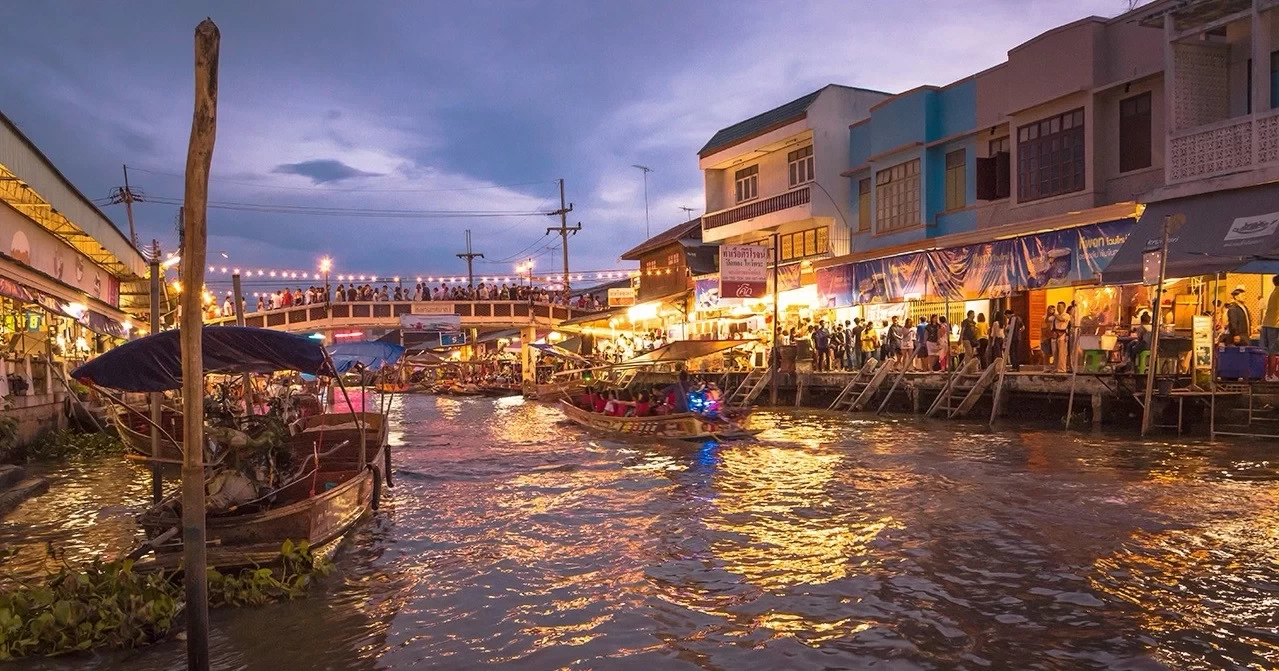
point(481, 315)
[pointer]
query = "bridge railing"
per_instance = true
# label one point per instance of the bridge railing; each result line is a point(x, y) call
point(389, 312)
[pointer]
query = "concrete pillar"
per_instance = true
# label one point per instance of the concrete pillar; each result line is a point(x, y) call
point(528, 374)
point(1096, 411)
point(1261, 48)
point(26, 361)
point(799, 389)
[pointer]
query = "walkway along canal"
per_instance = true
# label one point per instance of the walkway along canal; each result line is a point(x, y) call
point(515, 540)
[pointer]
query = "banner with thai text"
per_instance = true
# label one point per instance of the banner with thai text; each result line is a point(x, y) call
point(743, 271)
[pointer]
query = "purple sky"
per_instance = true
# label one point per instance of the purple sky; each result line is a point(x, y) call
point(457, 106)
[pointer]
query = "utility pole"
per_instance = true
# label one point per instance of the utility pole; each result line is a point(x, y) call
point(645, 169)
point(157, 491)
point(128, 196)
point(469, 256)
point(564, 229)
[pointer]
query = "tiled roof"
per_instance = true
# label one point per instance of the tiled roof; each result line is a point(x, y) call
point(759, 123)
point(672, 234)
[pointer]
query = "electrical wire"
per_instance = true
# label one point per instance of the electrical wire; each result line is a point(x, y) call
point(349, 212)
point(219, 180)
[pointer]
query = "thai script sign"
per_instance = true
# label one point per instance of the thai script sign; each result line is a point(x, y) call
point(743, 271)
point(621, 297)
point(420, 323)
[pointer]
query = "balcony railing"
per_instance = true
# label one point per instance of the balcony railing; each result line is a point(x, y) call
point(478, 313)
point(759, 208)
point(1224, 147)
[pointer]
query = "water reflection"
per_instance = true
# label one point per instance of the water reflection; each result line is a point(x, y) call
point(513, 539)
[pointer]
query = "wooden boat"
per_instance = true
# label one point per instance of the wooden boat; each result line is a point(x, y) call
point(134, 429)
point(392, 387)
point(555, 391)
point(499, 390)
point(682, 426)
point(339, 426)
point(318, 508)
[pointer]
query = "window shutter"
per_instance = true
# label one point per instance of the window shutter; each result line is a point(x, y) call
point(1003, 174)
point(986, 181)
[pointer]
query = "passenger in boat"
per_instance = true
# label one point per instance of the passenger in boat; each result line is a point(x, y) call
point(642, 405)
point(598, 403)
point(677, 394)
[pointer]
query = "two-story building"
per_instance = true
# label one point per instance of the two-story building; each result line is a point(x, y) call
point(779, 173)
point(1010, 188)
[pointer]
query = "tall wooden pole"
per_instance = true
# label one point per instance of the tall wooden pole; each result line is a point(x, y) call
point(1153, 366)
point(238, 297)
point(157, 481)
point(195, 201)
point(776, 362)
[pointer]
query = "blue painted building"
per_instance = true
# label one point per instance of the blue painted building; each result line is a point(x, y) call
point(914, 167)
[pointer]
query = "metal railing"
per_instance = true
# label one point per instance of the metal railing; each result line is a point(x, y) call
point(759, 208)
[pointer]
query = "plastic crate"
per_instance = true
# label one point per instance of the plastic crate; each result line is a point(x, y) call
point(1247, 363)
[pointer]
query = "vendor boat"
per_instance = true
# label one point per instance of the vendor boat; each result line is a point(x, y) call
point(680, 426)
point(133, 425)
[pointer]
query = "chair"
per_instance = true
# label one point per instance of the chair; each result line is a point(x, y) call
point(1143, 361)
point(1094, 360)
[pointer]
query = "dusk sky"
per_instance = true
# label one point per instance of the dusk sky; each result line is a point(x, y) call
point(474, 106)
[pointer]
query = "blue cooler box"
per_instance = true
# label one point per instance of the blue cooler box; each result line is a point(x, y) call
point(1241, 363)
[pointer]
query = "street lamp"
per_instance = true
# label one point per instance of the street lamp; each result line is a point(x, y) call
point(646, 170)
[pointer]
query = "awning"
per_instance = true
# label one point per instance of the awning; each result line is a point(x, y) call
point(683, 350)
point(99, 323)
point(1211, 233)
point(372, 355)
point(561, 353)
point(15, 291)
point(154, 363)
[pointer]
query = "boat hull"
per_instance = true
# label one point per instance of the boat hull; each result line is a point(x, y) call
point(683, 426)
point(137, 437)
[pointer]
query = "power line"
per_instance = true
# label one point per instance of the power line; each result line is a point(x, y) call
point(349, 212)
point(361, 190)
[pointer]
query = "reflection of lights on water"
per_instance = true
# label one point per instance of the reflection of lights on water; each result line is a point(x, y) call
point(506, 402)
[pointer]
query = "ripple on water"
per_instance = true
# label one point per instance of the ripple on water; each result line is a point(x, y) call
point(515, 540)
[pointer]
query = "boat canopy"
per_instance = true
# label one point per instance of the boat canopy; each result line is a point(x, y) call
point(154, 363)
point(684, 350)
point(372, 355)
point(562, 353)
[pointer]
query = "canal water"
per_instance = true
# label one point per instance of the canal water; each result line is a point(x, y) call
point(513, 540)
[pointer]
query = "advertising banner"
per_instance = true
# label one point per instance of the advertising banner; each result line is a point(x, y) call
point(743, 271)
point(893, 279)
point(788, 276)
point(621, 297)
point(420, 323)
point(706, 293)
point(835, 287)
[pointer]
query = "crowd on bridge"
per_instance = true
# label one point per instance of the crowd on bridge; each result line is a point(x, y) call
point(367, 293)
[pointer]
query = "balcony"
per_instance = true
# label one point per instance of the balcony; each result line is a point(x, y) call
point(1229, 146)
point(794, 198)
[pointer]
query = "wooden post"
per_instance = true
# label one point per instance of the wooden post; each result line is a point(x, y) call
point(195, 202)
point(1153, 366)
point(157, 480)
point(777, 325)
point(1096, 411)
point(238, 297)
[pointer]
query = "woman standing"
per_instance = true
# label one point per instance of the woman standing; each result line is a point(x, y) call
point(983, 337)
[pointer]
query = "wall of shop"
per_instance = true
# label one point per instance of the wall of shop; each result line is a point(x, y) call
point(24, 241)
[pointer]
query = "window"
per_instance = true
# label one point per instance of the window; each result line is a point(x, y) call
point(999, 144)
point(994, 175)
point(897, 197)
point(801, 165)
point(863, 204)
point(956, 180)
point(800, 244)
point(747, 181)
point(1134, 132)
point(1050, 156)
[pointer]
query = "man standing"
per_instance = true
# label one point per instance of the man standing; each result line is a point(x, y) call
point(850, 346)
point(1012, 339)
point(894, 339)
point(838, 339)
point(1270, 320)
point(855, 343)
point(1061, 327)
point(821, 343)
point(1238, 321)
point(968, 336)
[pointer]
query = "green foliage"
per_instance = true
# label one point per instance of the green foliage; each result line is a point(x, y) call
point(109, 605)
point(8, 437)
point(60, 445)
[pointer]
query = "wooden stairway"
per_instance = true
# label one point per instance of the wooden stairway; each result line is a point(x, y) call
point(860, 382)
point(965, 387)
point(749, 389)
point(903, 367)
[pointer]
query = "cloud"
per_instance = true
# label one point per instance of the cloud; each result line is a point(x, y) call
point(323, 170)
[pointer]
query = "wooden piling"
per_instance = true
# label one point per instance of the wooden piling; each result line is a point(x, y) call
point(195, 202)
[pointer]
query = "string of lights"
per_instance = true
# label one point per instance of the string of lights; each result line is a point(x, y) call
point(259, 275)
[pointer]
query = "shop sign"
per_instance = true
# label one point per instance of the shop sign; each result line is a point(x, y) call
point(1201, 340)
point(621, 297)
point(706, 293)
point(1150, 266)
point(431, 308)
point(743, 271)
point(33, 320)
point(835, 286)
point(441, 322)
point(448, 339)
point(27, 243)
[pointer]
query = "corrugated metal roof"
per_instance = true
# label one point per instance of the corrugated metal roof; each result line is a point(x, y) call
point(672, 234)
point(760, 123)
point(67, 212)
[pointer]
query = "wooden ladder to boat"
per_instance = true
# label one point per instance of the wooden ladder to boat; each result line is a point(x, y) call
point(750, 388)
point(957, 388)
point(992, 375)
point(856, 387)
point(903, 367)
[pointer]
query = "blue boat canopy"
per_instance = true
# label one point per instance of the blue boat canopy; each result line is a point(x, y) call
point(154, 363)
point(372, 355)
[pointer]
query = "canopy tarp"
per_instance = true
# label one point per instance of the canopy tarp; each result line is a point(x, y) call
point(154, 363)
point(1212, 233)
point(372, 355)
point(561, 353)
point(684, 350)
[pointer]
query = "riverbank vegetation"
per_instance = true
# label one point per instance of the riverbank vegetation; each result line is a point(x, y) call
point(111, 605)
point(69, 444)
